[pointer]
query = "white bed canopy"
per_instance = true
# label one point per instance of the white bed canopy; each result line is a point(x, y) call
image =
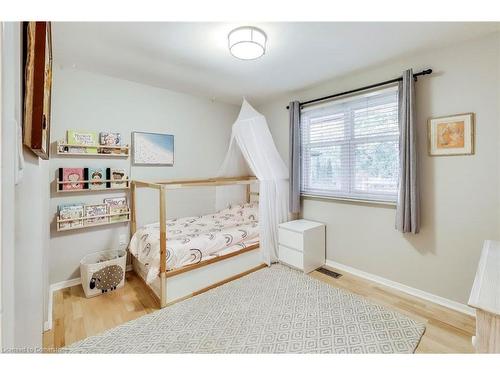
point(252, 152)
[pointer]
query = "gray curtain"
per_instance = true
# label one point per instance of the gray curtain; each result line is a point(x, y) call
point(294, 147)
point(408, 205)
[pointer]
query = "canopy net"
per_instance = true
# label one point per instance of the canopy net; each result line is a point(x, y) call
point(252, 152)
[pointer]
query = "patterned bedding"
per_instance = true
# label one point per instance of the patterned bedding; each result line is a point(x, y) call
point(193, 239)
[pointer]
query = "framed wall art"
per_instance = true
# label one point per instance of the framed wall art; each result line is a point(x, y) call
point(451, 135)
point(152, 149)
point(37, 63)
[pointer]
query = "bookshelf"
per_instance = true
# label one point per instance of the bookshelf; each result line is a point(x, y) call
point(59, 183)
point(84, 219)
point(63, 149)
point(113, 210)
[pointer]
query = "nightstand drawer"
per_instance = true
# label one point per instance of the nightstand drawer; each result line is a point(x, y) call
point(291, 239)
point(291, 257)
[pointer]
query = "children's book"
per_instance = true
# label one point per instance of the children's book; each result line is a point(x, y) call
point(82, 138)
point(71, 211)
point(96, 178)
point(72, 178)
point(110, 139)
point(95, 214)
point(117, 205)
point(118, 178)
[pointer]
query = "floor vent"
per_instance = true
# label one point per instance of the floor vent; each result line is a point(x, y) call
point(333, 274)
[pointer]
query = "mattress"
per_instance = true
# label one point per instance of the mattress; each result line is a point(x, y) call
point(191, 240)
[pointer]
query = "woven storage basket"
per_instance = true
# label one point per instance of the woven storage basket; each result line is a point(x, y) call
point(103, 272)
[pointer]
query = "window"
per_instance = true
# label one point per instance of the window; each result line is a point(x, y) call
point(350, 147)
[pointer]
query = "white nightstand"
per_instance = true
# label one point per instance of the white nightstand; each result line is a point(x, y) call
point(302, 244)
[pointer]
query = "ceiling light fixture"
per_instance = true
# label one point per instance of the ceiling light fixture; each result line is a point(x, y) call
point(247, 42)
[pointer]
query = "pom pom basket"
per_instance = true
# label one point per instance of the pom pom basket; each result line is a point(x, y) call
point(103, 272)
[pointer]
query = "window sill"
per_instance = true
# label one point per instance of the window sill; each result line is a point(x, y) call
point(350, 200)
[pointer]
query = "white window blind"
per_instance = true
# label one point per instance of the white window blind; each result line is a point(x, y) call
point(350, 147)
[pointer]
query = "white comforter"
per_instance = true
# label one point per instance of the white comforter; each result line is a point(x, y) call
point(193, 239)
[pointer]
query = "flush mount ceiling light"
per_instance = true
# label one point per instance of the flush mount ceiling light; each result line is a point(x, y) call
point(247, 42)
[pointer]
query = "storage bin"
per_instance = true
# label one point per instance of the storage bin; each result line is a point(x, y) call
point(103, 271)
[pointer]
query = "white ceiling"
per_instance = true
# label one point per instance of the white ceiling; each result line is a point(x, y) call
point(194, 58)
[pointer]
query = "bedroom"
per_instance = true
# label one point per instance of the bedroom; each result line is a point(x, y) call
point(358, 160)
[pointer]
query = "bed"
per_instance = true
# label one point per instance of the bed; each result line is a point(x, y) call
point(192, 240)
point(188, 255)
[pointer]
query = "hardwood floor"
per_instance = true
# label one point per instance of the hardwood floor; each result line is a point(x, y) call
point(447, 331)
point(76, 317)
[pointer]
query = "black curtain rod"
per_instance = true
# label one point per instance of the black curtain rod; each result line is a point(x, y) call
point(422, 73)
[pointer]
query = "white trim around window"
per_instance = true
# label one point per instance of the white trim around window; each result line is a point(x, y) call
point(349, 148)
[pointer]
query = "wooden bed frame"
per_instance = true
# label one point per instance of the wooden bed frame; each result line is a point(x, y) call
point(203, 277)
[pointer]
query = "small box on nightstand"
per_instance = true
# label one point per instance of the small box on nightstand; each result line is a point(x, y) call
point(302, 244)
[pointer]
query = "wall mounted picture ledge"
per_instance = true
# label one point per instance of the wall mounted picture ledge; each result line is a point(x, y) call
point(451, 135)
point(152, 149)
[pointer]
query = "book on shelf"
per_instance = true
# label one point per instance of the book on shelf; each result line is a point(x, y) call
point(110, 139)
point(61, 147)
point(96, 175)
point(71, 211)
point(84, 138)
point(72, 178)
point(96, 214)
point(117, 205)
point(118, 177)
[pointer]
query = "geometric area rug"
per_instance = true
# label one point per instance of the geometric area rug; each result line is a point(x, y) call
point(272, 310)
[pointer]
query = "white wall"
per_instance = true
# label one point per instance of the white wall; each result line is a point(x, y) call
point(460, 194)
point(31, 236)
point(8, 193)
point(24, 208)
point(83, 100)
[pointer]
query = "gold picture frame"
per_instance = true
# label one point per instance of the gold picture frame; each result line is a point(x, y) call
point(451, 135)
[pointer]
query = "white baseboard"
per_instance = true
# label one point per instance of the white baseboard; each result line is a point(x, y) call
point(457, 306)
point(47, 326)
point(65, 284)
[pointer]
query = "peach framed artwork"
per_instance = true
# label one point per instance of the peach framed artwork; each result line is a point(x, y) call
point(451, 135)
